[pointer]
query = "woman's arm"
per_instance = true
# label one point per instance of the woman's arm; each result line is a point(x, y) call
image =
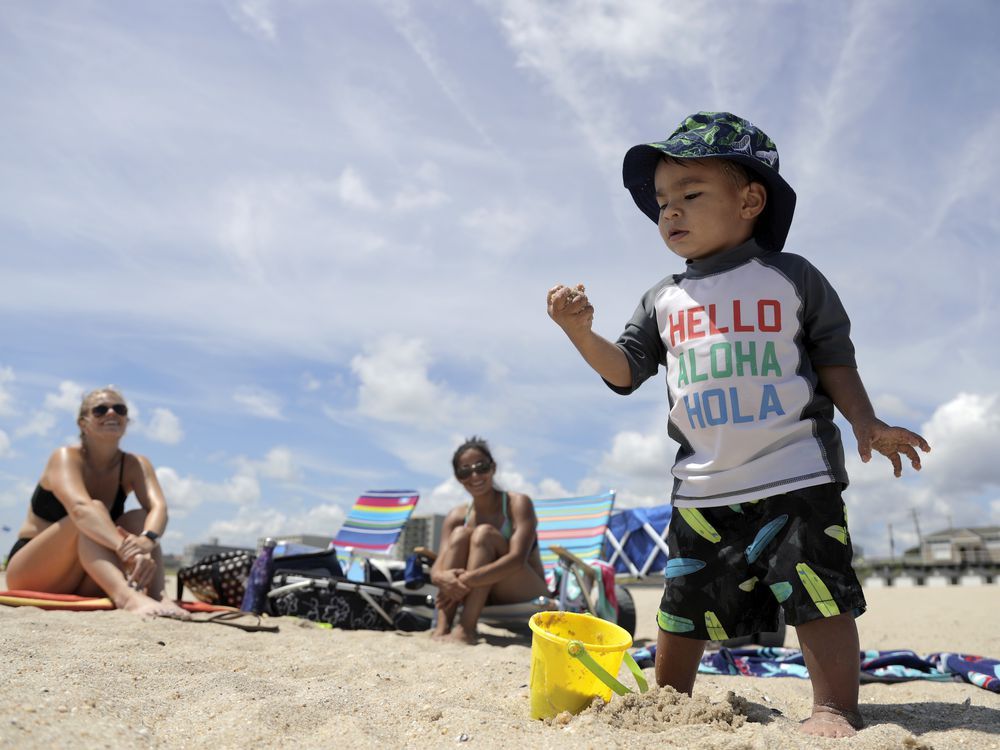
point(522, 541)
point(64, 477)
point(444, 572)
point(141, 477)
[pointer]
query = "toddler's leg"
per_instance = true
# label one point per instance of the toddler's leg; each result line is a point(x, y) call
point(832, 655)
point(677, 661)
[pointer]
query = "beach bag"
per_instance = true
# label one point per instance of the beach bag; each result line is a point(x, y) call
point(320, 564)
point(335, 601)
point(217, 579)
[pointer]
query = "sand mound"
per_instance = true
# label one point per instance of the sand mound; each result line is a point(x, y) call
point(664, 708)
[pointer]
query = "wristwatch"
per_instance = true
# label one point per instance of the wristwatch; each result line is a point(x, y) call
point(150, 535)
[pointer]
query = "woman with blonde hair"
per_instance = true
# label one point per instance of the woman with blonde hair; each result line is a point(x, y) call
point(77, 537)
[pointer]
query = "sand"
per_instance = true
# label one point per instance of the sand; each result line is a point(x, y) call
point(109, 679)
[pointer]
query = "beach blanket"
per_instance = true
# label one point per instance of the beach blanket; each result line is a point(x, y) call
point(876, 666)
point(216, 614)
point(74, 603)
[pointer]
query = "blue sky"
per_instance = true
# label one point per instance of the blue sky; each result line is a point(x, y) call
point(311, 241)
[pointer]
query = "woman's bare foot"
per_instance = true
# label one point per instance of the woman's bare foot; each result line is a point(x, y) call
point(442, 629)
point(139, 604)
point(831, 722)
point(459, 633)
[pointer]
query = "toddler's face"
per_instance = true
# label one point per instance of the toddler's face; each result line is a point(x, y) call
point(702, 210)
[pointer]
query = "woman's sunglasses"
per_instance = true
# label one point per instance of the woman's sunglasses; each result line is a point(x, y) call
point(480, 467)
point(101, 409)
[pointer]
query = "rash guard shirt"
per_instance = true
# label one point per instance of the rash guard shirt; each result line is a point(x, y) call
point(741, 333)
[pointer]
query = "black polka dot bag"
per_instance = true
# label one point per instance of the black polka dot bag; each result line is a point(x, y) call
point(217, 579)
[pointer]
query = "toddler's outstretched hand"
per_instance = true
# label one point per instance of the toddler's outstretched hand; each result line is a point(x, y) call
point(570, 308)
point(891, 442)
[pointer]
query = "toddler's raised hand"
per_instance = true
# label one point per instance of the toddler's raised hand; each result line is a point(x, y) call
point(891, 442)
point(570, 308)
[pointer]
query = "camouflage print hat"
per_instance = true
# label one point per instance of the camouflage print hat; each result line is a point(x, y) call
point(717, 135)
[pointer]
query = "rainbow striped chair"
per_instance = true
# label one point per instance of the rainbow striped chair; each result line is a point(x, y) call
point(373, 526)
point(572, 524)
point(570, 535)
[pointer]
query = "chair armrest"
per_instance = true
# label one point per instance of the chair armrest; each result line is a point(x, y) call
point(573, 561)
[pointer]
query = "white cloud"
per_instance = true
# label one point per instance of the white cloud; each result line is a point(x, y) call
point(310, 383)
point(637, 467)
point(499, 229)
point(67, 398)
point(352, 190)
point(420, 39)
point(6, 406)
point(395, 386)
point(252, 523)
point(255, 17)
point(279, 464)
point(891, 407)
point(164, 427)
point(40, 424)
point(4, 445)
point(260, 402)
point(184, 494)
point(415, 198)
point(964, 435)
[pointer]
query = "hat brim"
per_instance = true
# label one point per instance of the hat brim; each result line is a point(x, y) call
point(772, 227)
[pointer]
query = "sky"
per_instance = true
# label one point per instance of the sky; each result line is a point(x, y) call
point(311, 240)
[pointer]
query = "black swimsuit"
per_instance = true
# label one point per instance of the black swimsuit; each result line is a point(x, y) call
point(46, 506)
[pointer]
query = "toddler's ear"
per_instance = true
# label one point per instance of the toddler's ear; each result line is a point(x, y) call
point(754, 200)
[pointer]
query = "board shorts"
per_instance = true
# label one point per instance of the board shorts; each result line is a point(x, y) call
point(732, 567)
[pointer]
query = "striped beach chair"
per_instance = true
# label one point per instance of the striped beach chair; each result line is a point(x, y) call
point(374, 525)
point(573, 524)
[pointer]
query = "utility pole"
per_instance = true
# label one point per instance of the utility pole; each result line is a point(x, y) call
point(892, 546)
point(916, 523)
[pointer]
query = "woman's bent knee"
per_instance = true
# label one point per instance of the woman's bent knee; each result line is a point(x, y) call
point(460, 535)
point(484, 534)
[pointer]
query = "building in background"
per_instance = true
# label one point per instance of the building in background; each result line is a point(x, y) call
point(420, 531)
point(967, 555)
point(959, 548)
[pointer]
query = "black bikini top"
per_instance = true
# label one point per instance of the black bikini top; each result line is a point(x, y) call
point(46, 505)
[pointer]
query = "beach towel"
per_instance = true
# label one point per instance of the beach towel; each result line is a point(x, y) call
point(74, 603)
point(200, 611)
point(876, 666)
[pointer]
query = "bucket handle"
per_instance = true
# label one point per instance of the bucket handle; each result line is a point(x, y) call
point(577, 650)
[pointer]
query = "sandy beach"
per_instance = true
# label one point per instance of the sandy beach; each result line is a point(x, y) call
point(109, 679)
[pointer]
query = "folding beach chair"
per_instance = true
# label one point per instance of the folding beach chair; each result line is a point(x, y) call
point(570, 537)
point(372, 528)
point(635, 542)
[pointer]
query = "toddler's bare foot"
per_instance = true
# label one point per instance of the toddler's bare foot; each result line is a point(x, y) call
point(831, 722)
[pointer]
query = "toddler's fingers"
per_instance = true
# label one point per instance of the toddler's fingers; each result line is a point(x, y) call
point(865, 448)
point(897, 465)
point(912, 455)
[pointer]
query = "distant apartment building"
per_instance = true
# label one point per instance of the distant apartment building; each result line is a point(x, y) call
point(420, 531)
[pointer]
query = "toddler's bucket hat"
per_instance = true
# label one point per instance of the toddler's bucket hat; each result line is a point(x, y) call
point(717, 135)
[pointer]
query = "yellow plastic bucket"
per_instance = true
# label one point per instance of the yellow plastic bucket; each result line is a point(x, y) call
point(563, 644)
